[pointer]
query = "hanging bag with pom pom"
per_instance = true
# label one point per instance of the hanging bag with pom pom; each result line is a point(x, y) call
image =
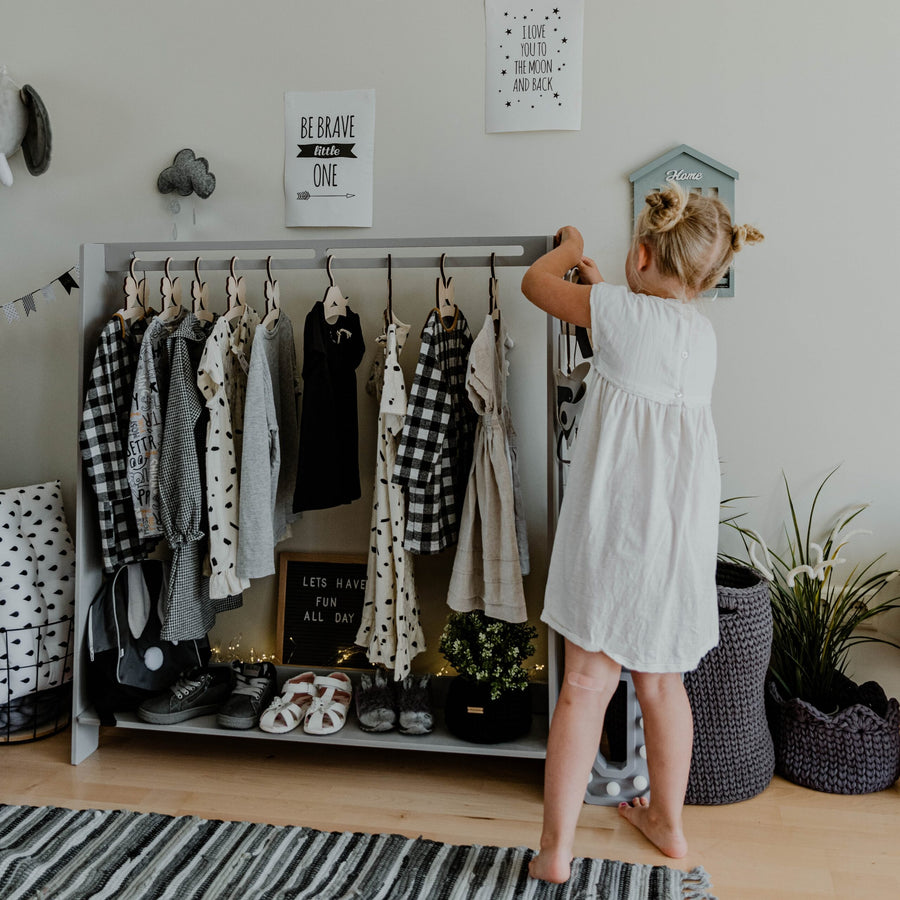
point(128, 662)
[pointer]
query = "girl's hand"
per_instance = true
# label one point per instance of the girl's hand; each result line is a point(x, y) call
point(588, 273)
point(545, 286)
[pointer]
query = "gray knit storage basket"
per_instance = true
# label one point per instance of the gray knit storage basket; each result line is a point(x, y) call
point(733, 758)
point(854, 751)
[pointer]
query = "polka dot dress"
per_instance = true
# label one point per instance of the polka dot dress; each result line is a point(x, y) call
point(390, 629)
point(222, 379)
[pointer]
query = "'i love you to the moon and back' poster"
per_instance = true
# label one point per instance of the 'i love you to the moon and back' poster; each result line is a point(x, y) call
point(533, 65)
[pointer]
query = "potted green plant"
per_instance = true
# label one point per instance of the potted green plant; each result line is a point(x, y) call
point(829, 733)
point(489, 701)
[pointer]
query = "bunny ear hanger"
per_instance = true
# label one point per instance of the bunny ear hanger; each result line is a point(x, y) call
point(37, 141)
point(170, 290)
point(273, 292)
point(235, 291)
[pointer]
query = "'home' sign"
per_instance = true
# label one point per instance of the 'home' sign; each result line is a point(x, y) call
point(696, 172)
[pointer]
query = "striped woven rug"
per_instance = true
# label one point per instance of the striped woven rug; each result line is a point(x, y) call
point(48, 852)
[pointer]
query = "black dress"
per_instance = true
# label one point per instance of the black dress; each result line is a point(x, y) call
point(328, 463)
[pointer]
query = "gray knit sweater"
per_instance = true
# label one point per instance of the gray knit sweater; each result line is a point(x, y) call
point(269, 462)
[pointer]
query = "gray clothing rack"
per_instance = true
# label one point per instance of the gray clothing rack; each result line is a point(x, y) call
point(103, 268)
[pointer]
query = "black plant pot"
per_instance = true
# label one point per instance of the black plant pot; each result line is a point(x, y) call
point(472, 715)
point(854, 751)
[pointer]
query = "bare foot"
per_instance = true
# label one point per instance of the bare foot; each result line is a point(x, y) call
point(667, 838)
point(550, 866)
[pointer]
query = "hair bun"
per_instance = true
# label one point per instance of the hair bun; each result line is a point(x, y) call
point(741, 235)
point(666, 207)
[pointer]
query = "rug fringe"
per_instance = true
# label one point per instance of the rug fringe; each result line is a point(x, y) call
point(696, 884)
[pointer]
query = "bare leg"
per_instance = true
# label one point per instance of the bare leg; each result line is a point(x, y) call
point(589, 683)
point(669, 734)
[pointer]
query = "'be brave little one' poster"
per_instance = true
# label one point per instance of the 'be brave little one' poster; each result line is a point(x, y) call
point(533, 64)
point(329, 141)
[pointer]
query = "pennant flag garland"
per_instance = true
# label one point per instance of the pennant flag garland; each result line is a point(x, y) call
point(67, 281)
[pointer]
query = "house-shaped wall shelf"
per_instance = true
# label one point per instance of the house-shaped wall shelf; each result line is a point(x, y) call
point(696, 172)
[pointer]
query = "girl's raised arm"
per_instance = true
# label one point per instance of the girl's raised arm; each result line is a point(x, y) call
point(545, 286)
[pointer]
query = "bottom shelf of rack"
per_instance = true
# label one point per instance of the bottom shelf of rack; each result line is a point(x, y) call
point(533, 745)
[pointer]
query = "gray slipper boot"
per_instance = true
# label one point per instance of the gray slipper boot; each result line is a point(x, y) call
point(375, 702)
point(414, 705)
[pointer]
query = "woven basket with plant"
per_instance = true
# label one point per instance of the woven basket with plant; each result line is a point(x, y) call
point(826, 736)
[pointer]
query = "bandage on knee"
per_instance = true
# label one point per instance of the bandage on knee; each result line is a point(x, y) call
point(585, 682)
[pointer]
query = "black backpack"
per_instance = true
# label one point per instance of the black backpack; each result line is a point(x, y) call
point(127, 660)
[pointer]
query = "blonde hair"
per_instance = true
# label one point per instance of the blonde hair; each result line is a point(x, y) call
point(691, 236)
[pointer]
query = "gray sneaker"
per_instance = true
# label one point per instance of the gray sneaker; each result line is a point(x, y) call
point(253, 692)
point(198, 692)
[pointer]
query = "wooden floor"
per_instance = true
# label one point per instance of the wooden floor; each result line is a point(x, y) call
point(789, 842)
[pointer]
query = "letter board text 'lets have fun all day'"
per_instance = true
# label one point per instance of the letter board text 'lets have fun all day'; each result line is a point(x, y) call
point(320, 601)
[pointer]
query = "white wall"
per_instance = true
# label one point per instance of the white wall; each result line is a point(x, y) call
point(799, 97)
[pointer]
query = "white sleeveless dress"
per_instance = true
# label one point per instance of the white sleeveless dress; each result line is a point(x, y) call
point(632, 572)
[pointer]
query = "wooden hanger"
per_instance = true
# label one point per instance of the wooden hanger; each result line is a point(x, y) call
point(235, 290)
point(170, 289)
point(273, 298)
point(200, 295)
point(494, 299)
point(334, 301)
point(444, 293)
point(135, 307)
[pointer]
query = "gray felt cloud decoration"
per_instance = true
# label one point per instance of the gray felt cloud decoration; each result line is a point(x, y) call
point(188, 174)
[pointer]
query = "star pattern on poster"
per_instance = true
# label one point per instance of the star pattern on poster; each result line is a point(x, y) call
point(536, 47)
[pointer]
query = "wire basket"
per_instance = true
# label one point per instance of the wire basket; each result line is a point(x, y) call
point(35, 680)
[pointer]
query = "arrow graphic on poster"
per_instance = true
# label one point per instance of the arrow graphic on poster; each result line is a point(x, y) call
point(306, 195)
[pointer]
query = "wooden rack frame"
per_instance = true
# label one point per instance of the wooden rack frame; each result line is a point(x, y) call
point(103, 267)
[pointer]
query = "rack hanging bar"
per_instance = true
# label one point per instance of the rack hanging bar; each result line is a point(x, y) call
point(462, 252)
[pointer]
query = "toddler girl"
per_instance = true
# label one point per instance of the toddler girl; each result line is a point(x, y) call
point(632, 573)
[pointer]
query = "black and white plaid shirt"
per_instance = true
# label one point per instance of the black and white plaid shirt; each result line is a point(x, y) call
point(103, 437)
point(435, 451)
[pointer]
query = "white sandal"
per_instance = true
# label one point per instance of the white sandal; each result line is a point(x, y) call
point(287, 711)
point(328, 712)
